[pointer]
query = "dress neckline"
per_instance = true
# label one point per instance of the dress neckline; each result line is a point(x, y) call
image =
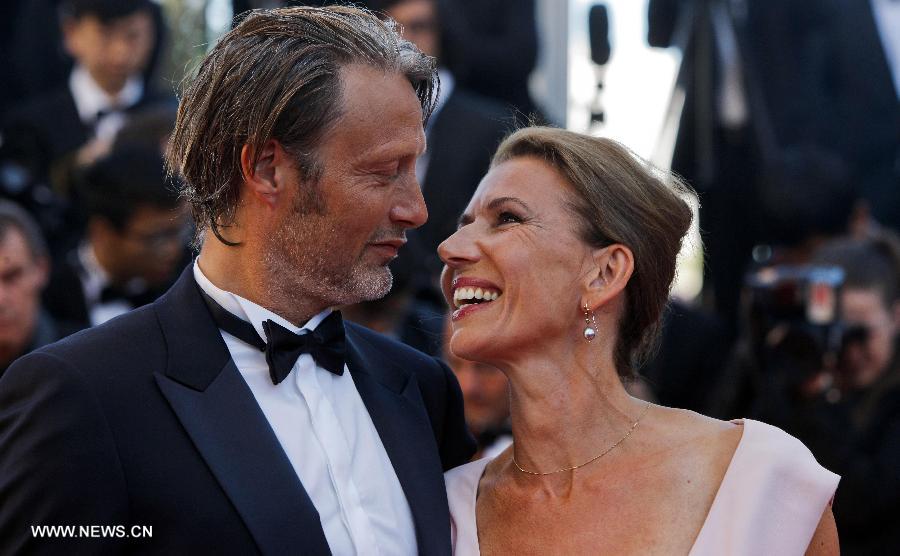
point(724, 485)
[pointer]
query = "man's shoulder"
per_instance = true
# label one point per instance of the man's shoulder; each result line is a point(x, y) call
point(366, 338)
point(383, 350)
point(133, 339)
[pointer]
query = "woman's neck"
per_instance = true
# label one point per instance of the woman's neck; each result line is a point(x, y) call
point(563, 413)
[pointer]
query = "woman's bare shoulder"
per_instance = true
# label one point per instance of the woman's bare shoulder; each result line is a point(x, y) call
point(695, 438)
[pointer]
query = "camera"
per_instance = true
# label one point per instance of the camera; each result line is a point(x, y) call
point(792, 318)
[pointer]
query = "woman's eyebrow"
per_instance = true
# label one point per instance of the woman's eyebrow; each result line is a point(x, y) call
point(466, 218)
point(501, 200)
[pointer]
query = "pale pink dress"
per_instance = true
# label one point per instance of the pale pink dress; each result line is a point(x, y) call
point(770, 501)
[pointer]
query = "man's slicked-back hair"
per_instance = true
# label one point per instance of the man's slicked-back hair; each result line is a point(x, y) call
point(276, 75)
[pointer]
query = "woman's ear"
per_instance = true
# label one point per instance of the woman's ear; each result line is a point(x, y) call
point(263, 177)
point(612, 268)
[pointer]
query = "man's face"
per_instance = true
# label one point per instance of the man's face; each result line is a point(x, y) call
point(22, 277)
point(149, 247)
point(333, 242)
point(111, 52)
point(419, 22)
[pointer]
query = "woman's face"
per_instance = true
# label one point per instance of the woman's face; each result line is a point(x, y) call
point(515, 268)
point(865, 361)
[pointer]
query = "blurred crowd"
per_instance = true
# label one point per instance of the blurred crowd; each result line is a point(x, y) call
point(789, 131)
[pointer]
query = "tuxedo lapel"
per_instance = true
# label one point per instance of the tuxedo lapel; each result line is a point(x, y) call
point(395, 405)
point(219, 413)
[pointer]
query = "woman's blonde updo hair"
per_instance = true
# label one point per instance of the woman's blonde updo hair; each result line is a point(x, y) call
point(619, 198)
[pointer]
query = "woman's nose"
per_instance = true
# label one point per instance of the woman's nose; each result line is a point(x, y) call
point(460, 248)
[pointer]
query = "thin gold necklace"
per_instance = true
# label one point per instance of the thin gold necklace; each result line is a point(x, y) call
point(593, 459)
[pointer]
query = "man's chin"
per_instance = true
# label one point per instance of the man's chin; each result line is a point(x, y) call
point(366, 284)
point(379, 284)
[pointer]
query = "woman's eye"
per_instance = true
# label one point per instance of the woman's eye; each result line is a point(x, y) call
point(506, 217)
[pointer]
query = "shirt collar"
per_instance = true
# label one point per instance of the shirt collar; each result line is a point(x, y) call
point(90, 99)
point(248, 310)
point(94, 276)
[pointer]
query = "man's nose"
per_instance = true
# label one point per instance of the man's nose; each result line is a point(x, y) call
point(409, 210)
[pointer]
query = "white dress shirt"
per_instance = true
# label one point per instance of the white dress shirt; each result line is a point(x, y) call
point(887, 19)
point(327, 434)
point(90, 100)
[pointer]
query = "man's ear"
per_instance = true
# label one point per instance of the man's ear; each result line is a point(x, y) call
point(264, 178)
point(42, 268)
point(70, 36)
point(612, 268)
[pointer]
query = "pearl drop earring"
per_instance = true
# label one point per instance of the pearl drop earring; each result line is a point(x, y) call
point(590, 324)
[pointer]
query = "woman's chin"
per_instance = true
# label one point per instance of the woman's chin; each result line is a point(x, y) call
point(472, 347)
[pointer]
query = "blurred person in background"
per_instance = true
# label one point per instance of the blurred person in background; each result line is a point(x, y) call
point(847, 409)
point(858, 77)
point(485, 392)
point(111, 42)
point(24, 267)
point(462, 133)
point(148, 128)
point(491, 46)
point(38, 60)
point(135, 242)
point(692, 354)
point(751, 74)
point(808, 199)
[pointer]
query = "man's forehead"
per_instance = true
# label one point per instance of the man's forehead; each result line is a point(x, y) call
point(14, 251)
point(381, 116)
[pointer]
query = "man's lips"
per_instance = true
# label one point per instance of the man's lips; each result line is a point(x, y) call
point(390, 247)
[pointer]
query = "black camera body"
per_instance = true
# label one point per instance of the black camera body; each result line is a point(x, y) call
point(792, 318)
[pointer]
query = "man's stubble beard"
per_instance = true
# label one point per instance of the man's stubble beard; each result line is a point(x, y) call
point(306, 264)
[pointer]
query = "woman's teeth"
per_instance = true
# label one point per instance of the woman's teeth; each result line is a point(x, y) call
point(473, 295)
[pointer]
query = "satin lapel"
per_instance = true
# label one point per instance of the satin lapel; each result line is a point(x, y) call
point(222, 418)
point(395, 405)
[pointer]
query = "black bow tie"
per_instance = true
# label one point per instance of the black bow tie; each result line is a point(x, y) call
point(325, 343)
point(135, 298)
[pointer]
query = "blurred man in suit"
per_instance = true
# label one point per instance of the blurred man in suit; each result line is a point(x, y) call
point(859, 76)
point(135, 243)
point(111, 42)
point(24, 267)
point(492, 47)
point(750, 74)
point(238, 414)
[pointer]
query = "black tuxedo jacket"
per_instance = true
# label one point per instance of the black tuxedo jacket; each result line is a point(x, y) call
point(146, 420)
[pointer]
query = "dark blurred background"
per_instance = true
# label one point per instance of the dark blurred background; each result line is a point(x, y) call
point(782, 114)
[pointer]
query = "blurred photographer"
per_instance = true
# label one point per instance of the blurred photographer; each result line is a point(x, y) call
point(858, 433)
point(824, 346)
